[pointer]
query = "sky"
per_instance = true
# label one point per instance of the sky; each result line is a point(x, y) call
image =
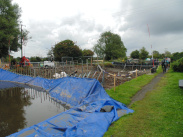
point(139, 23)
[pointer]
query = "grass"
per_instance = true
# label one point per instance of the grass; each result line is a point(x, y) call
point(126, 91)
point(160, 113)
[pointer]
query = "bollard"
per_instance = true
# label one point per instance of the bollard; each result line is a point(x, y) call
point(136, 73)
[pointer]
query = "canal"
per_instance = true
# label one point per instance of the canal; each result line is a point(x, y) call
point(22, 106)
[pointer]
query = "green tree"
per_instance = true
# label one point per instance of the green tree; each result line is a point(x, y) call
point(168, 54)
point(143, 53)
point(66, 48)
point(18, 59)
point(9, 28)
point(110, 46)
point(176, 56)
point(156, 54)
point(88, 52)
point(162, 56)
point(135, 54)
point(35, 59)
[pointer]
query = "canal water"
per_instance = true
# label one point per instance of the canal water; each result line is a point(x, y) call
point(22, 106)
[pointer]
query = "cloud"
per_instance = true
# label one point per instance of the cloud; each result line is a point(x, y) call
point(80, 21)
point(164, 19)
point(162, 16)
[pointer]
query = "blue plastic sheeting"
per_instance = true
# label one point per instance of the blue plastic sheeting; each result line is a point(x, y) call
point(88, 100)
point(6, 85)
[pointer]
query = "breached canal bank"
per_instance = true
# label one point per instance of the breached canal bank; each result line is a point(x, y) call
point(89, 101)
point(22, 106)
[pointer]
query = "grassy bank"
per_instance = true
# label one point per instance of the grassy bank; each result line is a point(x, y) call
point(124, 92)
point(160, 113)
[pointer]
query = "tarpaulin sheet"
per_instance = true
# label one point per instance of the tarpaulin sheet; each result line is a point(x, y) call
point(92, 109)
point(6, 85)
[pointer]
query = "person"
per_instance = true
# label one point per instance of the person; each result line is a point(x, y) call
point(163, 63)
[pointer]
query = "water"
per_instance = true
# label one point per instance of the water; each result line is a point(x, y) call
point(22, 107)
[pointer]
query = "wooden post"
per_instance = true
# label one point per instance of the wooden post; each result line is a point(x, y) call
point(45, 73)
point(50, 72)
point(114, 81)
point(87, 64)
point(136, 73)
point(0, 63)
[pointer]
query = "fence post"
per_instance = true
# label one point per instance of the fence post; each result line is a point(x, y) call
point(114, 81)
point(30, 71)
point(50, 73)
point(70, 68)
point(21, 70)
point(34, 72)
point(73, 66)
point(82, 67)
point(103, 78)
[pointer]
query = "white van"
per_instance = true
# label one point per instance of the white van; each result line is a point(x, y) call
point(48, 64)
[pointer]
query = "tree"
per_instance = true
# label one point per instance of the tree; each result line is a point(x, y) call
point(9, 28)
point(143, 53)
point(156, 54)
point(135, 54)
point(110, 46)
point(168, 54)
point(176, 56)
point(50, 54)
point(88, 52)
point(66, 48)
point(35, 59)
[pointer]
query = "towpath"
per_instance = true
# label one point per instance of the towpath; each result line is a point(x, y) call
point(149, 87)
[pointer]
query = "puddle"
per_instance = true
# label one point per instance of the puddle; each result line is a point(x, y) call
point(22, 106)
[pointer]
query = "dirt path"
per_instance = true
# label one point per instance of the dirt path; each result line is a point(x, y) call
point(141, 94)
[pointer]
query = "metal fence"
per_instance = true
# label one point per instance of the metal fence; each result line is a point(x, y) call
point(71, 68)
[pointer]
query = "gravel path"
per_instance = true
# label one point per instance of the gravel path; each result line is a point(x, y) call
point(141, 94)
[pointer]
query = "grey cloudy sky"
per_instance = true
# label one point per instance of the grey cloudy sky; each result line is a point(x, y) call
point(51, 21)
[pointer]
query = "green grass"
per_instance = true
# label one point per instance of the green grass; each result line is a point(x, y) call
point(126, 91)
point(160, 113)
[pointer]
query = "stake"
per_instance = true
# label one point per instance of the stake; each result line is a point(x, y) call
point(114, 81)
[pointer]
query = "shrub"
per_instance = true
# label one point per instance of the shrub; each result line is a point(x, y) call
point(108, 64)
point(177, 66)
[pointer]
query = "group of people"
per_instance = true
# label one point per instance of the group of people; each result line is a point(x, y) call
point(165, 63)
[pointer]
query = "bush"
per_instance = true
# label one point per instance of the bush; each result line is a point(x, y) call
point(177, 66)
point(109, 65)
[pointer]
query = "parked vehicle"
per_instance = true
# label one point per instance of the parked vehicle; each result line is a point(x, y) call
point(48, 64)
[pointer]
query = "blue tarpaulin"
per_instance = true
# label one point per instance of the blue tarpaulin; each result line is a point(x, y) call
point(92, 109)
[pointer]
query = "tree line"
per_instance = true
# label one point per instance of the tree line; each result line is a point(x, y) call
point(109, 45)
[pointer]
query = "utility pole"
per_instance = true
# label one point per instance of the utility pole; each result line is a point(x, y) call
point(21, 41)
